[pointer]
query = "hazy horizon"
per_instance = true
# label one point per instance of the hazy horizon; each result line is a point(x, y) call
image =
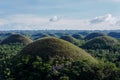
point(60, 15)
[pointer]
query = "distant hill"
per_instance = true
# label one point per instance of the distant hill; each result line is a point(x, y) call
point(102, 42)
point(39, 35)
point(93, 35)
point(68, 38)
point(55, 48)
point(114, 34)
point(77, 36)
point(16, 38)
point(52, 34)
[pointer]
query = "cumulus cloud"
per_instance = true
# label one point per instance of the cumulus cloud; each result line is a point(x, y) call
point(106, 18)
point(22, 22)
point(32, 22)
point(54, 19)
point(106, 22)
point(118, 22)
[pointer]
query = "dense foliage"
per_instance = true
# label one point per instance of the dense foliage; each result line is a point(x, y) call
point(48, 48)
point(16, 38)
point(69, 38)
point(14, 66)
point(26, 68)
point(103, 42)
point(77, 36)
point(104, 48)
point(114, 34)
point(7, 52)
point(93, 35)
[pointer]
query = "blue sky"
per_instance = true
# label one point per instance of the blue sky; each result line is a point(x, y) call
point(81, 12)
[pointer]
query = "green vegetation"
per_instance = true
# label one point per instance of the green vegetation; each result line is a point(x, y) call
point(52, 35)
point(68, 38)
point(114, 34)
point(39, 35)
point(27, 68)
point(52, 58)
point(47, 48)
point(104, 48)
point(7, 52)
point(93, 35)
point(77, 36)
point(72, 40)
point(16, 38)
point(102, 42)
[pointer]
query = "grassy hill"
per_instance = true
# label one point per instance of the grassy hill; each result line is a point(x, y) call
point(114, 34)
point(52, 34)
point(68, 38)
point(16, 38)
point(47, 48)
point(77, 36)
point(102, 42)
point(93, 35)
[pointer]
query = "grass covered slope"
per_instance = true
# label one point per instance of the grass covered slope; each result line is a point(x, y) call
point(77, 36)
point(68, 38)
point(102, 42)
point(16, 38)
point(93, 35)
point(48, 48)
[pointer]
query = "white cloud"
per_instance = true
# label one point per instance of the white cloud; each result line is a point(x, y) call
point(107, 22)
point(106, 18)
point(32, 22)
point(54, 19)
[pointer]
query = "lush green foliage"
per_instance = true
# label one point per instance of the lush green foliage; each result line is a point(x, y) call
point(77, 36)
point(104, 48)
point(27, 68)
point(55, 59)
point(53, 47)
point(6, 53)
point(93, 35)
point(111, 54)
point(103, 42)
point(114, 34)
point(69, 38)
point(16, 38)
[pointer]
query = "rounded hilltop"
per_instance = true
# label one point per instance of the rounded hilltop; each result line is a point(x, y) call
point(102, 42)
point(93, 35)
point(52, 34)
point(55, 48)
point(16, 38)
point(77, 36)
point(68, 38)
